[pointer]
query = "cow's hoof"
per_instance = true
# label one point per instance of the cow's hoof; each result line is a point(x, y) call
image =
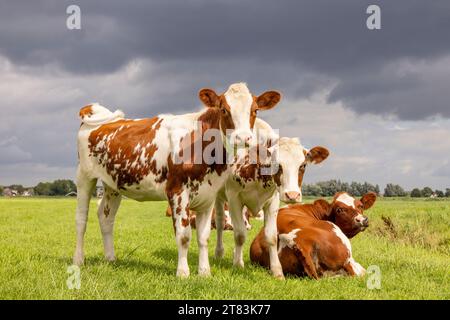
point(239, 264)
point(78, 260)
point(183, 274)
point(111, 258)
point(279, 276)
point(219, 253)
point(204, 272)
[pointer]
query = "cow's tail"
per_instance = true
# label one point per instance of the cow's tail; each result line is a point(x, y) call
point(95, 114)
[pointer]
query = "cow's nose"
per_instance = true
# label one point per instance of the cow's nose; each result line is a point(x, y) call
point(292, 195)
point(365, 222)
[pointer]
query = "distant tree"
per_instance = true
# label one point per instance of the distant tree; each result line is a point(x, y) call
point(377, 189)
point(416, 193)
point(315, 190)
point(62, 187)
point(439, 193)
point(43, 189)
point(55, 188)
point(447, 192)
point(1, 191)
point(427, 192)
point(355, 189)
point(394, 190)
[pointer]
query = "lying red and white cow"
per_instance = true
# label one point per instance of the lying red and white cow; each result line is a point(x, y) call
point(252, 186)
point(314, 238)
point(141, 160)
point(226, 221)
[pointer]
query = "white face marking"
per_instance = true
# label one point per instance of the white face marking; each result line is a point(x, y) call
point(347, 200)
point(290, 158)
point(240, 101)
point(287, 239)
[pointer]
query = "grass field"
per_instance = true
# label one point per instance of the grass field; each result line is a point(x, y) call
point(410, 246)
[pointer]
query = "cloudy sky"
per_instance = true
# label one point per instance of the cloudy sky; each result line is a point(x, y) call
point(378, 99)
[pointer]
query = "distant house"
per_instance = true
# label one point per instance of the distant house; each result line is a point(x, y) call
point(433, 195)
point(8, 192)
point(28, 193)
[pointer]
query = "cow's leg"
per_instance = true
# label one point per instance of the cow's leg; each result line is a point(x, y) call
point(219, 227)
point(271, 235)
point(106, 216)
point(180, 214)
point(240, 231)
point(85, 187)
point(353, 268)
point(203, 224)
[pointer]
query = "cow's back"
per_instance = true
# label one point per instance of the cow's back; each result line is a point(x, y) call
point(128, 155)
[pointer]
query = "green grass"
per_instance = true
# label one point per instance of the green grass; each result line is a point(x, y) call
point(38, 238)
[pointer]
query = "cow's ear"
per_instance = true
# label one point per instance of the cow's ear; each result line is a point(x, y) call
point(368, 200)
point(324, 205)
point(209, 98)
point(316, 155)
point(268, 100)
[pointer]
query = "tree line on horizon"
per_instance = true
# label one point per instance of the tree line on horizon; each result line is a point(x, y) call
point(329, 188)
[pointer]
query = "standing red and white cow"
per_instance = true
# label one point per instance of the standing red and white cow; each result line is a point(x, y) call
point(313, 238)
point(251, 185)
point(141, 160)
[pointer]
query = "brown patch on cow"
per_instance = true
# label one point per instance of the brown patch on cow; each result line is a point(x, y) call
point(106, 210)
point(240, 239)
point(125, 149)
point(195, 170)
point(185, 222)
point(184, 241)
point(86, 111)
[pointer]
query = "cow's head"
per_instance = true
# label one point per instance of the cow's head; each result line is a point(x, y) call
point(293, 159)
point(238, 109)
point(348, 213)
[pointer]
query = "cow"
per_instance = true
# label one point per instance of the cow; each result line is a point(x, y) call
point(251, 185)
point(150, 159)
point(313, 239)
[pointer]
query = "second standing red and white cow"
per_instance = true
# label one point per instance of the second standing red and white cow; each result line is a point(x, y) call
point(252, 186)
point(137, 158)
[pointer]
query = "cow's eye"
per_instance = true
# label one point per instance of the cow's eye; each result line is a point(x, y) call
point(224, 111)
point(339, 210)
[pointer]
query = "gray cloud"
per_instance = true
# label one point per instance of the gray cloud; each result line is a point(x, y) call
point(152, 57)
point(241, 39)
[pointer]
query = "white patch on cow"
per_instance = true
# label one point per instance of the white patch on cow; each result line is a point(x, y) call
point(359, 269)
point(240, 101)
point(343, 238)
point(287, 239)
point(347, 200)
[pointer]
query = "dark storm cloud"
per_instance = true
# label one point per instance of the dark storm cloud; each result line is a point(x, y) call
point(244, 40)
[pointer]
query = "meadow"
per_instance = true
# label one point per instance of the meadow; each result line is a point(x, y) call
point(408, 239)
